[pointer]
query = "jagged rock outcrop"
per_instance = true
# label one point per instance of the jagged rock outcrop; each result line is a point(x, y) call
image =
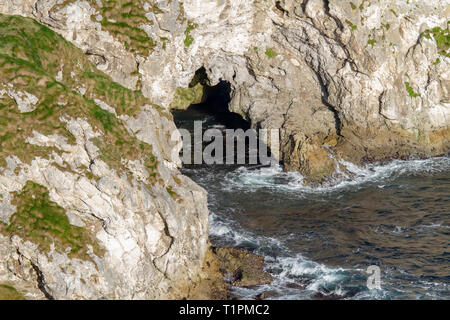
point(92, 203)
point(359, 80)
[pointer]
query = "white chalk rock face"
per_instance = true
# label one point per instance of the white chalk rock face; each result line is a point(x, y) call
point(150, 241)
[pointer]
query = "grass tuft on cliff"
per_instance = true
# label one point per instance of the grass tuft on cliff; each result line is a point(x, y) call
point(270, 53)
point(411, 91)
point(123, 19)
point(442, 38)
point(189, 38)
point(8, 292)
point(43, 222)
point(36, 60)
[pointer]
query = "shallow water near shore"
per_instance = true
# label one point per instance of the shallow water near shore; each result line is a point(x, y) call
point(318, 242)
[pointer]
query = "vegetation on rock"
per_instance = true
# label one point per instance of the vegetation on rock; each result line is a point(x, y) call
point(442, 38)
point(271, 53)
point(410, 91)
point(193, 94)
point(353, 26)
point(36, 60)
point(8, 292)
point(189, 39)
point(43, 222)
point(184, 97)
point(124, 20)
point(371, 42)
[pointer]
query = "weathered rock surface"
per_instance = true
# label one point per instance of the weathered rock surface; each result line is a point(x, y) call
point(359, 80)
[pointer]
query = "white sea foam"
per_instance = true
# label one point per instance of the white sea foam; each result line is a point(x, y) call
point(354, 176)
point(291, 268)
point(236, 236)
point(432, 226)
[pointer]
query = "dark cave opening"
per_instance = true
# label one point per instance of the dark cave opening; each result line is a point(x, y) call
point(214, 113)
point(215, 103)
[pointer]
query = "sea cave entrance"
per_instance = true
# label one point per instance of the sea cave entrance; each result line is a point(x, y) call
point(209, 109)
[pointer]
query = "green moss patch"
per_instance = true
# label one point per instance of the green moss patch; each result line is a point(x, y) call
point(270, 53)
point(410, 91)
point(189, 39)
point(123, 19)
point(184, 97)
point(371, 42)
point(44, 223)
point(8, 292)
point(442, 38)
point(172, 193)
point(352, 26)
point(31, 57)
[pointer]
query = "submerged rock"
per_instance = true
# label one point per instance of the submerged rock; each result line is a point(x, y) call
point(334, 296)
point(265, 295)
point(297, 286)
